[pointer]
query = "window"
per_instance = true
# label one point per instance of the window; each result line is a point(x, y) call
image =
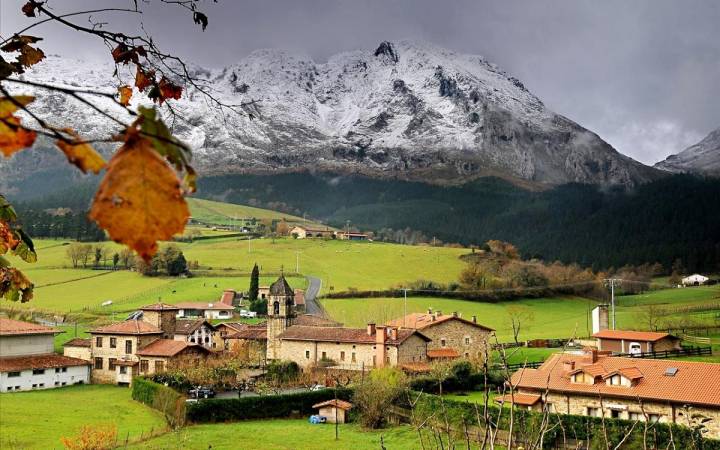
point(113, 342)
point(342, 356)
point(111, 363)
point(38, 371)
point(467, 354)
point(159, 366)
point(41, 385)
point(64, 369)
point(654, 417)
point(57, 370)
point(143, 365)
point(207, 339)
point(57, 383)
point(13, 374)
point(307, 354)
point(324, 355)
point(128, 347)
point(467, 340)
point(123, 370)
point(98, 363)
point(98, 341)
point(615, 414)
point(63, 383)
point(593, 412)
point(442, 342)
point(34, 386)
point(352, 357)
point(635, 416)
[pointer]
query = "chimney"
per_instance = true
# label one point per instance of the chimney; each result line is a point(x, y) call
point(380, 340)
point(591, 355)
point(370, 329)
point(438, 312)
point(568, 366)
point(394, 333)
point(454, 314)
point(432, 318)
point(474, 319)
point(429, 310)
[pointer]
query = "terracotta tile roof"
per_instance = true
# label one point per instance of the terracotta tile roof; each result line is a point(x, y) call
point(168, 347)
point(420, 321)
point(188, 326)
point(310, 320)
point(339, 334)
point(252, 332)
point(9, 327)
point(159, 307)
point(442, 353)
point(595, 370)
point(128, 327)
point(203, 305)
point(632, 373)
point(340, 404)
point(78, 342)
point(645, 336)
point(693, 383)
point(49, 361)
point(231, 326)
point(299, 297)
point(227, 297)
point(518, 398)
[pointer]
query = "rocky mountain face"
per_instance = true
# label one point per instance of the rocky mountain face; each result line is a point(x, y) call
point(404, 110)
point(702, 158)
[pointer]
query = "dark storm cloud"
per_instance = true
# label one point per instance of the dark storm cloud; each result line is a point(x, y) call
point(644, 75)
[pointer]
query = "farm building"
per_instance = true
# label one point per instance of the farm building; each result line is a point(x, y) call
point(28, 361)
point(694, 280)
point(308, 232)
point(633, 342)
point(342, 235)
point(452, 336)
point(206, 310)
point(334, 411)
point(596, 384)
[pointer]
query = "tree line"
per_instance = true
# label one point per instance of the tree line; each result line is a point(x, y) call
point(169, 260)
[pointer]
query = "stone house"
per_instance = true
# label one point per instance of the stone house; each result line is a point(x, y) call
point(593, 383)
point(122, 350)
point(633, 342)
point(312, 232)
point(28, 360)
point(452, 336)
point(196, 331)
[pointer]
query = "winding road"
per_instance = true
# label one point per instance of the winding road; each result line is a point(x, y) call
point(311, 293)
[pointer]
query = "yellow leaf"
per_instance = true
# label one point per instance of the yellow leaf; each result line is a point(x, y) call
point(81, 153)
point(139, 201)
point(7, 238)
point(13, 137)
point(125, 93)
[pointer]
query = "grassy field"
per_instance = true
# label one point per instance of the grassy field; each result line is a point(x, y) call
point(37, 420)
point(539, 318)
point(281, 435)
point(221, 213)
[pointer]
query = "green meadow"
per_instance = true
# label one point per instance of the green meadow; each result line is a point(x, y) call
point(38, 419)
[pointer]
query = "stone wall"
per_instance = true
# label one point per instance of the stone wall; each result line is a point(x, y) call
point(309, 353)
point(77, 352)
point(468, 340)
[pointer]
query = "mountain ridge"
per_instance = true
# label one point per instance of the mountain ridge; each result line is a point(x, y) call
point(406, 110)
point(701, 158)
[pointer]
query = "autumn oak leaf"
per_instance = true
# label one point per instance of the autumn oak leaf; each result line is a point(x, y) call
point(13, 137)
point(143, 79)
point(81, 154)
point(29, 9)
point(125, 93)
point(168, 89)
point(139, 201)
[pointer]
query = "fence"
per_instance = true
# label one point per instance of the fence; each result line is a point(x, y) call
point(685, 351)
point(697, 339)
point(518, 366)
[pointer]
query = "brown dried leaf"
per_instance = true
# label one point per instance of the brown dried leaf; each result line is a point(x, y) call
point(30, 56)
point(81, 154)
point(139, 201)
point(143, 79)
point(13, 137)
point(168, 89)
point(125, 93)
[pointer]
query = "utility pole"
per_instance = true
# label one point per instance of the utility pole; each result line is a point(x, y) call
point(297, 261)
point(347, 230)
point(249, 244)
point(612, 282)
point(404, 307)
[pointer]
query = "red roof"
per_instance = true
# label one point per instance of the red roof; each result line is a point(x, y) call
point(299, 297)
point(420, 321)
point(128, 327)
point(442, 353)
point(188, 326)
point(159, 307)
point(518, 398)
point(253, 332)
point(339, 334)
point(203, 305)
point(168, 347)
point(692, 382)
point(77, 342)
point(9, 327)
point(227, 297)
point(644, 336)
point(48, 361)
point(340, 404)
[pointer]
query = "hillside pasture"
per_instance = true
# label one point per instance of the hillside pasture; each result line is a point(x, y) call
point(38, 419)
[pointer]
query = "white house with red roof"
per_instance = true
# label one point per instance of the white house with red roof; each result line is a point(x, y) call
point(28, 360)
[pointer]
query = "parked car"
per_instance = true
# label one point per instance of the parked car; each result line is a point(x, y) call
point(317, 387)
point(247, 314)
point(201, 392)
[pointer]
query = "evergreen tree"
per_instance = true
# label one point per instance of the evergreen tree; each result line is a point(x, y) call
point(254, 284)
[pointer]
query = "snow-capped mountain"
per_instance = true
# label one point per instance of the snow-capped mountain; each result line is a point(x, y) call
point(407, 110)
point(702, 158)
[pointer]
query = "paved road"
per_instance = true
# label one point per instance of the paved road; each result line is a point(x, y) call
point(313, 290)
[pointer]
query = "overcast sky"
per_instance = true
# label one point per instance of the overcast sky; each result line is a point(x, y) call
point(644, 75)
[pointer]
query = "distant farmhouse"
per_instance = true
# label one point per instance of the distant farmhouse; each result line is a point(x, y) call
point(302, 232)
point(695, 280)
point(595, 384)
point(218, 310)
point(28, 361)
point(122, 350)
point(350, 236)
point(635, 342)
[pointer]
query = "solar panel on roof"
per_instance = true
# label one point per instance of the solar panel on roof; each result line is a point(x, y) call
point(671, 371)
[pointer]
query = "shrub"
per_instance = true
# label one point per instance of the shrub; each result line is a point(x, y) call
point(164, 399)
point(376, 394)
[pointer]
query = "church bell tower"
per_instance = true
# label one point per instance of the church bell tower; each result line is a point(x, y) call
point(280, 313)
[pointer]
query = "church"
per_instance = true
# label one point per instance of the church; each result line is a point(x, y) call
point(312, 341)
